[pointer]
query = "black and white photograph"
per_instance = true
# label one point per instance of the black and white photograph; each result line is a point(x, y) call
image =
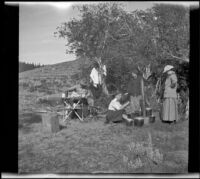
point(104, 87)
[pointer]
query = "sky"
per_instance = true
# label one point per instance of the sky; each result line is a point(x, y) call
point(38, 22)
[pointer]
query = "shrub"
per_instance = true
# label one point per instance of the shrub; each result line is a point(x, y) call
point(141, 154)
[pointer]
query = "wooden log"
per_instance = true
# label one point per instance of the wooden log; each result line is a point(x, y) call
point(50, 122)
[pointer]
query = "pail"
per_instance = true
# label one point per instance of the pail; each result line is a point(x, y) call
point(129, 123)
point(148, 112)
point(138, 121)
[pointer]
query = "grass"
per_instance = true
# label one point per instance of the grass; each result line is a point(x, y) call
point(91, 146)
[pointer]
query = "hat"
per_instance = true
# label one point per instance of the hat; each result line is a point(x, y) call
point(134, 74)
point(167, 68)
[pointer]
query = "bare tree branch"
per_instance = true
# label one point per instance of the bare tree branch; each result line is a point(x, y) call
point(179, 58)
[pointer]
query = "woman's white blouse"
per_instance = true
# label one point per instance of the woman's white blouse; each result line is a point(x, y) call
point(114, 105)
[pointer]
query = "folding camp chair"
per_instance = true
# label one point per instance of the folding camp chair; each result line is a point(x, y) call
point(69, 108)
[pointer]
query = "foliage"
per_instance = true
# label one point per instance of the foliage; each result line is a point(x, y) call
point(173, 30)
point(124, 40)
point(141, 154)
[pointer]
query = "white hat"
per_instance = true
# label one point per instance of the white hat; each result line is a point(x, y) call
point(134, 74)
point(167, 68)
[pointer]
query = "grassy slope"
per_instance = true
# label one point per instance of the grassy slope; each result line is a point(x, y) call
point(88, 146)
point(51, 79)
point(61, 72)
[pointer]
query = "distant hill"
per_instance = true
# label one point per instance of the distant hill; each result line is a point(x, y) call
point(56, 70)
point(57, 76)
point(23, 66)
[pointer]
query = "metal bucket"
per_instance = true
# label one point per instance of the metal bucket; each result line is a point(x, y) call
point(129, 123)
point(148, 112)
point(138, 121)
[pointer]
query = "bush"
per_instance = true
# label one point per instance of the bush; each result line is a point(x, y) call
point(141, 154)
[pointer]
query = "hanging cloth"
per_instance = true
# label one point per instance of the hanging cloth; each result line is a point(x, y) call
point(104, 70)
point(94, 75)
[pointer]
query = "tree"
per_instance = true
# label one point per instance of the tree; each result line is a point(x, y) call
point(122, 40)
point(173, 31)
point(88, 36)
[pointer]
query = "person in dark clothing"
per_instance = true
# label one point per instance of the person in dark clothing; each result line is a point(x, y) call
point(134, 86)
point(134, 92)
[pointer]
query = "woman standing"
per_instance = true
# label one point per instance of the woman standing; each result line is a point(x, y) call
point(170, 107)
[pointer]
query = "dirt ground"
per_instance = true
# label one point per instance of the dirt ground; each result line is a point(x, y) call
point(93, 147)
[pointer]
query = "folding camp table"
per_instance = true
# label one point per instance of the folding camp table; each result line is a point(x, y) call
point(71, 107)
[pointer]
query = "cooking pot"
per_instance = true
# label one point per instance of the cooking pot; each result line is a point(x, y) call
point(148, 112)
point(129, 123)
point(139, 121)
point(152, 119)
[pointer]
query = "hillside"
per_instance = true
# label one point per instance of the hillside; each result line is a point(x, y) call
point(59, 69)
point(56, 76)
point(24, 66)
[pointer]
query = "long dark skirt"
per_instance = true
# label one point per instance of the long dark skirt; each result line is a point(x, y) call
point(115, 116)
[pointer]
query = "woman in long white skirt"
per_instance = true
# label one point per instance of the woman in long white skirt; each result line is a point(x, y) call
point(170, 106)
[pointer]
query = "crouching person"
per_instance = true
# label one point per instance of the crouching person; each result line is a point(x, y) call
point(116, 111)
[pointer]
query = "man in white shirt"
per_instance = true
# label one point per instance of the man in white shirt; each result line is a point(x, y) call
point(97, 74)
point(116, 110)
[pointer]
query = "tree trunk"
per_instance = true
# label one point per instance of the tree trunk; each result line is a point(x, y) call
point(143, 97)
point(104, 87)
